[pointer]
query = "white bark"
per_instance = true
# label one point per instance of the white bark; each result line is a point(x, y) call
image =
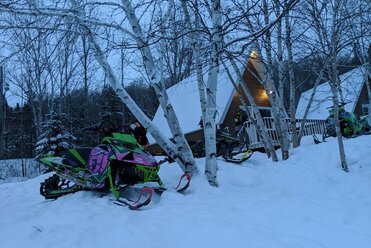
point(281, 73)
point(335, 99)
point(280, 99)
point(335, 83)
point(329, 36)
point(255, 109)
point(246, 109)
point(319, 79)
point(211, 166)
point(154, 74)
point(268, 83)
point(196, 54)
point(292, 82)
point(165, 144)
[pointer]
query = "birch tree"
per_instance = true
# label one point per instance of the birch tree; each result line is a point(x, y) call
point(290, 60)
point(211, 88)
point(259, 120)
point(322, 69)
point(155, 77)
point(330, 24)
point(181, 151)
point(261, 28)
point(279, 112)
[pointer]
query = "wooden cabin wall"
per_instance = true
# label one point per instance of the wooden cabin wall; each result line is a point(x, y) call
point(258, 92)
point(363, 99)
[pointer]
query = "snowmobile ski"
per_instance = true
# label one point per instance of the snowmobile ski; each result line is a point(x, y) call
point(144, 198)
point(245, 156)
point(316, 140)
point(183, 184)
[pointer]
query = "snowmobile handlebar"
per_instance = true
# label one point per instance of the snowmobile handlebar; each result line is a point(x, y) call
point(340, 105)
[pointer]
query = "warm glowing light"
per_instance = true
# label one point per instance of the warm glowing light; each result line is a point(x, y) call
point(254, 54)
point(263, 95)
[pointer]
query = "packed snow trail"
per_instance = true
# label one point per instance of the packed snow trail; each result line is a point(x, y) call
point(304, 202)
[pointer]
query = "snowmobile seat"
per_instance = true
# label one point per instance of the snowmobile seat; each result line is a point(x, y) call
point(78, 157)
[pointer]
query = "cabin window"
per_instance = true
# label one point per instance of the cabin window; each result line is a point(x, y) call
point(365, 109)
point(264, 111)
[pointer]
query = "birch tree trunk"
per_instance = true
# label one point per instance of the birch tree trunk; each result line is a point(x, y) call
point(277, 107)
point(335, 84)
point(319, 79)
point(246, 109)
point(292, 81)
point(335, 99)
point(196, 54)
point(154, 74)
point(256, 111)
point(329, 37)
point(165, 144)
point(211, 166)
point(281, 73)
point(281, 96)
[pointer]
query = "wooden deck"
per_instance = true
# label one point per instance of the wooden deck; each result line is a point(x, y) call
point(249, 134)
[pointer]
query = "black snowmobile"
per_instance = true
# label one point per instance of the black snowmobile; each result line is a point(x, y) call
point(227, 146)
point(114, 165)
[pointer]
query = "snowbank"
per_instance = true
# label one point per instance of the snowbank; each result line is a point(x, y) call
point(305, 202)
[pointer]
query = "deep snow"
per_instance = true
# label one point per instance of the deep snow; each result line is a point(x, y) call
point(305, 202)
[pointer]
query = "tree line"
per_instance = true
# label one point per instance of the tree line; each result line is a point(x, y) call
point(20, 132)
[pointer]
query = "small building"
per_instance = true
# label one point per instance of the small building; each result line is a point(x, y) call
point(354, 91)
point(185, 100)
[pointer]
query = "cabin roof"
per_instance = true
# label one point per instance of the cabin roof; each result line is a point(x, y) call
point(351, 84)
point(185, 100)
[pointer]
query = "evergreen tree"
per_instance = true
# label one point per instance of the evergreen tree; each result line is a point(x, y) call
point(55, 140)
point(112, 107)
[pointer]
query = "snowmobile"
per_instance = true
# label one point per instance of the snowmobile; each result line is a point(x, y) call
point(227, 146)
point(117, 163)
point(350, 124)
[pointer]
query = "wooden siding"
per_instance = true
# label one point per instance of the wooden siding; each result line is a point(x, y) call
point(257, 91)
point(190, 137)
point(362, 99)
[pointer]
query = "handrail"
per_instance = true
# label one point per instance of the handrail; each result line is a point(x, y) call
point(249, 135)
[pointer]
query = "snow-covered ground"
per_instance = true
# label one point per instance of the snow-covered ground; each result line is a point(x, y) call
point(307, 201)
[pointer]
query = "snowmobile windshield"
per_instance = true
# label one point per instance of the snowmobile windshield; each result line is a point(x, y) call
point(120, 139)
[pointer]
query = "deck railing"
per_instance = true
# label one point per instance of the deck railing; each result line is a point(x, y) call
point(249, 135)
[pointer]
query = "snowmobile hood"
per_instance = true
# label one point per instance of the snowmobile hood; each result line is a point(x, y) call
point(51, 160)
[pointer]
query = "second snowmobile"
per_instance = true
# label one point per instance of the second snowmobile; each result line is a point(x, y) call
point(350, 124)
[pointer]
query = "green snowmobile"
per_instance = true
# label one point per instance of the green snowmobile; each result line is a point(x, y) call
point(350, 124)
point(115, 164)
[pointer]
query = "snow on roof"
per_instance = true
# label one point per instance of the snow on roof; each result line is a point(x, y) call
point(351, 84)
point(185, 100)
